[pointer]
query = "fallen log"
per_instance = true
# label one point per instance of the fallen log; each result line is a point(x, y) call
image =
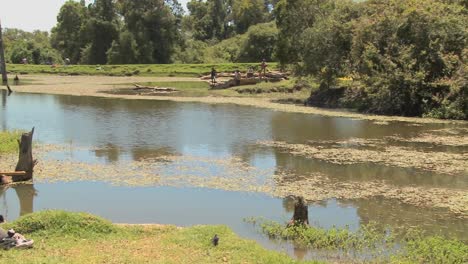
point(13, 173)
point(157, 89)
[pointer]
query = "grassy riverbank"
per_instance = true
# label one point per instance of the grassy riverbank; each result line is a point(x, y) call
point(171, 70)
point(62, 237)
point(8, 141)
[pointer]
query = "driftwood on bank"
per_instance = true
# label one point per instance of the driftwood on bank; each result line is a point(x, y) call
point(13, 173)
point(244, 80)
point(25, 166)
point(154, 89)
point(270, 74)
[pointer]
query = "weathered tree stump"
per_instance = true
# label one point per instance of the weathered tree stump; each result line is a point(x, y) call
point(301, 212)
point(25, 160)
point(25, 166)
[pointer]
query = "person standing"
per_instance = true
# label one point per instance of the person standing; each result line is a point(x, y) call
point(213, 76)
point(263, 67)
point(237, 77)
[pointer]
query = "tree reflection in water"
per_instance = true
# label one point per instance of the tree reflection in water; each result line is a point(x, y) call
point(25, 193)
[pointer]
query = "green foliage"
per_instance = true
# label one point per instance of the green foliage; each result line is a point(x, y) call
point(411, 247)
point(63, 223)
point(292, 18)
point(154, 27)
point(366, 238)
point(35, 47)
point(67, 34)
point(124, 50)
point(246, 13)
point(405, 57)
point(8, 141)
point(408, 58)
point(226, 51)
point(260, 43)
point(192, 51)
point(421, 249)
point(208, 20)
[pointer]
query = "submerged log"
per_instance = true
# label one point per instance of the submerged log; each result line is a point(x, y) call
point(156, 89)
point(25, 166)
point(301, 212)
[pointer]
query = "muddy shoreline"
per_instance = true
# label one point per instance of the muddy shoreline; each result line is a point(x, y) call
point(97, 86)
point(238, 176)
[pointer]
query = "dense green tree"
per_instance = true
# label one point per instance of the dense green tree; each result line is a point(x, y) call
point(325, 46)
point(293, 17)
point(99, 31)
point(199, 22)
point(124, 50)
point(192, 51)
point(35, 47)
point(260, 43)
point(409, 58)
point(209, 19)
point(67, 34)
point(246, 13)
point(154, 27)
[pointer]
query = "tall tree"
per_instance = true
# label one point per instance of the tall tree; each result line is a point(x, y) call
point(154, 26)
point(99, 31)
point(246, 13)
point(66, 35)
point(209, 19)
point(292, 18)
point(124, 50)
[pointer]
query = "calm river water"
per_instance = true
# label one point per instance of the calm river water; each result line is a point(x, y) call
point(117, 130)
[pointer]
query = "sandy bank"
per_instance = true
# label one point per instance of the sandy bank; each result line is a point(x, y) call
point(96, 85)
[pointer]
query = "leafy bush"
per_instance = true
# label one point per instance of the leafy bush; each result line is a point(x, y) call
point(8, 141)
point(62, 223)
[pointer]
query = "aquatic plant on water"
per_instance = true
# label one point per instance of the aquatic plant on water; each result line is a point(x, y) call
point(381, 245)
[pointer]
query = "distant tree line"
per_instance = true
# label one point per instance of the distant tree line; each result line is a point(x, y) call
point(151, 31)
point(401, 57)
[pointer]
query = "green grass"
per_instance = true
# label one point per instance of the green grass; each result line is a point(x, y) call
point(187, 70)
point(8, 141)
point(63, 237)
point(413, 246)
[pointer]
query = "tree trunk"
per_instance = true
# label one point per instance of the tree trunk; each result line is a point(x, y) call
point(25, 159)
point(2, 60)
point(301, 213)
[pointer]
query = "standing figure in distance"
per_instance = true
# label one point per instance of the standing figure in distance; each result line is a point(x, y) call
point(213, 76)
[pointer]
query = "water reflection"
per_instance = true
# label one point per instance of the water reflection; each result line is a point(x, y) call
point(114, 130)
point(25, 194)
point(368, 172)
point(398, 215)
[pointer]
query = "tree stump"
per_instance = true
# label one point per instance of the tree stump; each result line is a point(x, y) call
point(25, 163)
point(25, 160)
point(301, 212)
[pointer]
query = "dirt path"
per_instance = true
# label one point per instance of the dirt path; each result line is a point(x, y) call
point(95, 85)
